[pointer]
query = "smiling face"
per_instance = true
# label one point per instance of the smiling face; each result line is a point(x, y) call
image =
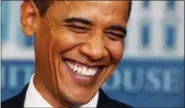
point(77, 47)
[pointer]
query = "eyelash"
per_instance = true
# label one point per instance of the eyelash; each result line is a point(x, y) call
point(115, 36)
point(78, 29)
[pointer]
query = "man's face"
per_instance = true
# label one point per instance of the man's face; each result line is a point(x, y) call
point(78, 45)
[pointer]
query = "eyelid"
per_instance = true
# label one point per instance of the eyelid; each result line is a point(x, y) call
point(77, 26)
point(117, 34)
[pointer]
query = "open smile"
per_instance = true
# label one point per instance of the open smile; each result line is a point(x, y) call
point(82, 70)
point(82, 73)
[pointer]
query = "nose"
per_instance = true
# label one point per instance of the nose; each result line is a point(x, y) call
point(94, 48)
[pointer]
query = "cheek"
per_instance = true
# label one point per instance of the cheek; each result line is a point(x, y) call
point(42, 42)
point(63, 41)
point(116, 51)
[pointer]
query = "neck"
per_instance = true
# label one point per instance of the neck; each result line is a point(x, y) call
point(51, 97)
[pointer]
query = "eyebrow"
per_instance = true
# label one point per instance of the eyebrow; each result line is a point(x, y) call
point(78, 20)
point(118, 28)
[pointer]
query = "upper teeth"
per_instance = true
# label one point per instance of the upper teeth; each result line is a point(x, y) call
point(82, 70)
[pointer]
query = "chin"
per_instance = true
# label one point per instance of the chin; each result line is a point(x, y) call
point(77, 82)
point(77, 99)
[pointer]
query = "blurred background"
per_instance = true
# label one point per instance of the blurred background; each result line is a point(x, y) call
point(151, 73)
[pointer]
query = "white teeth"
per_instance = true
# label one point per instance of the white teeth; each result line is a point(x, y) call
point(71, 66)
point(82, 71)
point(89, 72)
point(75, 68)
point(93, 72)
point(79, 70)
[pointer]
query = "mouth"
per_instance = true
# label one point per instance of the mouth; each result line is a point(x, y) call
point(82, 70)
point(82, 73)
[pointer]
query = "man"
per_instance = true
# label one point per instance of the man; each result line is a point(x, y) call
point(78, 44)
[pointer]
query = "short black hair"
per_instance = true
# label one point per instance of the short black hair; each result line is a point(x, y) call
point(43, 5)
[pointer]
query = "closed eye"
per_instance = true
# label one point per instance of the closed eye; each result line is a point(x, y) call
point(115, 36)
point(77, 28)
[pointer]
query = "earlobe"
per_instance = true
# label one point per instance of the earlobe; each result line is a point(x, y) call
point(28, 17)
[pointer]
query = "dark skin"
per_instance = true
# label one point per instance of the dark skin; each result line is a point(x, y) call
point(85, 32)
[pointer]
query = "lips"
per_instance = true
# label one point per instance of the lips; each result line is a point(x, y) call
point(83, 73)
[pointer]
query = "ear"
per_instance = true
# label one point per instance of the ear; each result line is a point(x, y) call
point(29, 17)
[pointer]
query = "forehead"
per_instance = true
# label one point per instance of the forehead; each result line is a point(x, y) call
point(91, 9)
point(88, 2)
